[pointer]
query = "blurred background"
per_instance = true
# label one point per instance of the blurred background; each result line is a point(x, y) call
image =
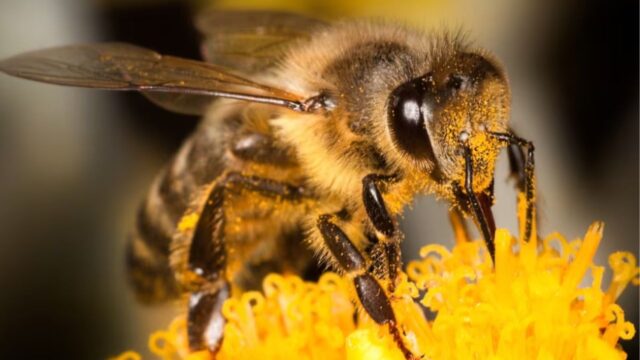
point(76, 163)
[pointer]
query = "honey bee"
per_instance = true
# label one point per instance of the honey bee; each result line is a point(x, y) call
point(320, 135)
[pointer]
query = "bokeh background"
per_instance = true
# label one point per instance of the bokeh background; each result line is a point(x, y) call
point(75, 163)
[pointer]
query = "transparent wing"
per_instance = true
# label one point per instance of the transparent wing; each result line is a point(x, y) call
point(251, 41)
point(188, 104)
point(185, 84)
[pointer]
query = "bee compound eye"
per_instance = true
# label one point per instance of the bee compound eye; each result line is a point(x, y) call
point(409, 112)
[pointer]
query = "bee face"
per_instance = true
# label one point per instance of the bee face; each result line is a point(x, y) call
point(461, 98)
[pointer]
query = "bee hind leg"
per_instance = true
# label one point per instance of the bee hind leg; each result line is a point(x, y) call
point(207, 257)
point(205, 323)
point(370, 293)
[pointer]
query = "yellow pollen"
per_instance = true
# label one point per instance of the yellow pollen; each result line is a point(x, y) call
point(532, 305)
point(188, 222)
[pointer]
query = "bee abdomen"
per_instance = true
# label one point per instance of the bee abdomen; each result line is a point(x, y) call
point(198, 162)
point(148, 251)
point(152, 279)
point(147, 260)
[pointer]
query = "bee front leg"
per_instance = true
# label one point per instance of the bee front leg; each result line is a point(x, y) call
point(522, 165)
point(517, 162)
point(352, 263)
point(207, 257)
point(522, 168)
point(385, 225)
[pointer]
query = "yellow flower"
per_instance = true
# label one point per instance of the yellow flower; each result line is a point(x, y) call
point(533, 304)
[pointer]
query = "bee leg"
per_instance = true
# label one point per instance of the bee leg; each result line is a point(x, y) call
point(523, 169)
point(517, 165)
point(205, 323)
point(207, 257)
point(383, 223)
point(370, 293)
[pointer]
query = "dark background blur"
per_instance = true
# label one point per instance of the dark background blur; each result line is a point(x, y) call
point(75, 163)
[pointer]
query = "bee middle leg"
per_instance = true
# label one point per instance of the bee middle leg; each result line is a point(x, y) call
point(386, 250)
point(207, 257)
point(353, 264)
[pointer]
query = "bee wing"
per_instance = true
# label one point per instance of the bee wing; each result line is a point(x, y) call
point(172, 82)
point(182, 103)
point(251, 41)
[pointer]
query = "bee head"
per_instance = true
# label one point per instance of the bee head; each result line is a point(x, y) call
point(433, 117)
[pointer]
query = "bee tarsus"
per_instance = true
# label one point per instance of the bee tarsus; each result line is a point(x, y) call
point(205, 323)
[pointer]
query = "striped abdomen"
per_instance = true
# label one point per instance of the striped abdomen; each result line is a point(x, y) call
point(199, 161)
point(264, 233)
